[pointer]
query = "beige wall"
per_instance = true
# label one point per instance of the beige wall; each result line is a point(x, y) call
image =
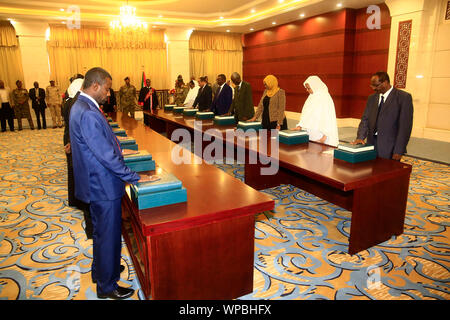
point(429, 64)
point(33, 49)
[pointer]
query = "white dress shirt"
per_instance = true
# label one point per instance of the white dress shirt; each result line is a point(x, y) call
point(90, 98)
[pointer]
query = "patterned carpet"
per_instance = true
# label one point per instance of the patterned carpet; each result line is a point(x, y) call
point(300, 247)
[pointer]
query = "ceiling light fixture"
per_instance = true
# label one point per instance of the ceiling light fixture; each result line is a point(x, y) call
point(339, 5)
point(128, 20)
point(302, 15)
point(274, 22)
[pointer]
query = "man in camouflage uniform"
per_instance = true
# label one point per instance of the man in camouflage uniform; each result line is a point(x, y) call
point(181, 91)
point(20, 104)
point(54, 99)
point(127, 98)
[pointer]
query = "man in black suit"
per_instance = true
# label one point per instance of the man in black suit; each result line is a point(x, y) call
point(242, 106)
point(223, 96)
point(37, 96)
point(204, 96)
point(148, 97)
point(387, 120)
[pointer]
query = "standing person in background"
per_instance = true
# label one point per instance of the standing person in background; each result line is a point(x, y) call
point(37, 96)
point(148, 96)
point(110, 104)
point(6, 112)
point(73, 92)
point(204, 96)
point(54, 100)
point(181, 91)
point(318, 114)
point(242, 106)
point(21, 107)
point(127, 98)
point(192, 94)
point(272, 105)
point(223, 96)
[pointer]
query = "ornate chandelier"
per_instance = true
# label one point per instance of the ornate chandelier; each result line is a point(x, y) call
point(128, 20)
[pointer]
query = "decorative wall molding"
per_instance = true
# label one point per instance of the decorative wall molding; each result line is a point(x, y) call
point(402, 56)
point(447, 11)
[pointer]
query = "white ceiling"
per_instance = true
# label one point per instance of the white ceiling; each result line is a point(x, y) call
point(233, 15)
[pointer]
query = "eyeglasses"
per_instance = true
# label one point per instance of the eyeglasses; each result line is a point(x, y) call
point(374, 86)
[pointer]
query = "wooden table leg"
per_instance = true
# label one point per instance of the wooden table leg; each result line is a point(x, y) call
point(378, 213)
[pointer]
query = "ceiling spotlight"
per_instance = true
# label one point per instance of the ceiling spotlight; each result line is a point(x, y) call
point(228, 30)
point(280, 1)
point(221, 18)
point(302, 15)
point(339, 5)
point(62, 9)
point(251, 29)
point(160, 16)
point(253, 11)
point(274, 22)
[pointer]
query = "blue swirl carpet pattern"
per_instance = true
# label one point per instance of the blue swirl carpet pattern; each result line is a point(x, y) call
point(300, 247)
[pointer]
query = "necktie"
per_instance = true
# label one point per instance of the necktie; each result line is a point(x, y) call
point(378, 114)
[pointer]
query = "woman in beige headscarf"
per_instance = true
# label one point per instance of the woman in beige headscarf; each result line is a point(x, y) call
point(318, 113)
point(272, 105)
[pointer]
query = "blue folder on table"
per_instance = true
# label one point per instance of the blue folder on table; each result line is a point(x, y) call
point(190, 112)
point(167, 190)
point(202, 115)
point(169, 107)
point(141, 161)
point(293, 137)
point(128, 143)
point(114, 124)
point(249, 125)
point(119, 132)
point(224, 120)
point(353, 157)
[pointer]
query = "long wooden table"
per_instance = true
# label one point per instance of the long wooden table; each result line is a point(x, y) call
point(376, 191)
point(201, 249)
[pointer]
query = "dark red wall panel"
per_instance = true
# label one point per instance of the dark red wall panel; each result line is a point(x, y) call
point(337, 46)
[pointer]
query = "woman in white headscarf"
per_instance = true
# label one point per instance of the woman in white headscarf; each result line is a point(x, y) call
point(192, 94)
point(318, 115)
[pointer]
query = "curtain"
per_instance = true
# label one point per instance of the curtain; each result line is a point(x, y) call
point(10, 59)
point(213, 53)
point(120, 53)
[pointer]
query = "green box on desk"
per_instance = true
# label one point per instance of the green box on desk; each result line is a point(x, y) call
point(190, 112)
point(353, 157)
point(204, 115)
point(114, 125)
point(119, 132)
point(168, 190)
point(293, 137)
point(249, 125)
point(178, 109)
point(169, 107)
point(109, 119)
point(142, 161)
point(224, 120)
point(128, 143)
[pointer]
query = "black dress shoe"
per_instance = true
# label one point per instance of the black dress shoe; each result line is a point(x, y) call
point(121, 269)
point(118, 294)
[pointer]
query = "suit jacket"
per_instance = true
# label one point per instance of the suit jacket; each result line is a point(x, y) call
point(39, 103)
point(98, 165)
point(222, 102)
point(277, 105)
point(242, 106)
point(110, 102)
point(67, 106)
point(394, 123)
point(204, 98)
point(146, 103)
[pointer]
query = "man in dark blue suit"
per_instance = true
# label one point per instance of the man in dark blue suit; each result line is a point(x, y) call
point(222, 97)
point(100, 173)
point(387, 120)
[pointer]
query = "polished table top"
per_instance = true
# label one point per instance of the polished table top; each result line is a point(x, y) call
point(311, 159)
point(212, 194)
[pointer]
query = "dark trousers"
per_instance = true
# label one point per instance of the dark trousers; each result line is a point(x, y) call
point(273, 124)
point(6, 113)
point(107, 244)
point(40, 112)
point(74, 202)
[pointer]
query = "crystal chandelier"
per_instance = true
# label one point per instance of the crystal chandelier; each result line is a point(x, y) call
point(128, 20)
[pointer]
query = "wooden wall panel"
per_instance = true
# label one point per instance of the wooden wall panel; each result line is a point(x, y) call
point(337, 46)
